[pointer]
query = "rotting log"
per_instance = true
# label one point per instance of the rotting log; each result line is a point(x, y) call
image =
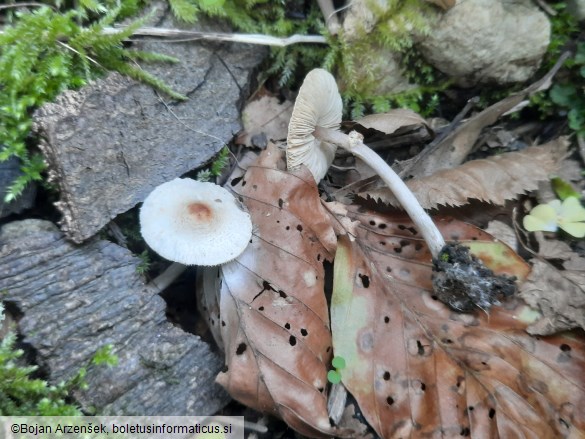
point(75, 299)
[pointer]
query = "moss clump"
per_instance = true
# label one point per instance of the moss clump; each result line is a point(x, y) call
point(23, 395)
point(45, 51)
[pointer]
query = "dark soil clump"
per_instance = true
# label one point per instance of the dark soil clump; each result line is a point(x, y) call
point(462, 282)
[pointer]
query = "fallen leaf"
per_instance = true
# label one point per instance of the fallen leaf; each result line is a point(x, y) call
point(559, 294)
point(265, 119)
point(418, 369)
point(494, 179)
point(274, 315)
point(503, 232)
point(455, 147)
point(392, 121)
point(553, 248)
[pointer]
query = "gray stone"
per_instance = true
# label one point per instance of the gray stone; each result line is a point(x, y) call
point(480, 41)
point(75, 299)
point(110, 143)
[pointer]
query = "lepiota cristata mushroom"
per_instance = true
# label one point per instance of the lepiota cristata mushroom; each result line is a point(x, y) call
point(194, 223)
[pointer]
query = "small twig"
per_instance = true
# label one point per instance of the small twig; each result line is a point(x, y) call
point(26, 5)
point(68, 47)
point(118, 235)
point(546, 8)
point(328, 11)
point(265, 40)
point(185, 35)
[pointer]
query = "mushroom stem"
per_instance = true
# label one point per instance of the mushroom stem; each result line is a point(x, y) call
point(167, 277)
point(354, 144)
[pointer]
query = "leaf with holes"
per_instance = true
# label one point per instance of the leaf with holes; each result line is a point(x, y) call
point(274, 316)
point(418, 369)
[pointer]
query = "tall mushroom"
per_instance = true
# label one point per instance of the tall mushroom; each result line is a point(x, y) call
point(312, 139)
point(194, 223)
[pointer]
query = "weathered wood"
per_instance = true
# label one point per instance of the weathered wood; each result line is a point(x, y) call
point(110, 143)
point(76, 299)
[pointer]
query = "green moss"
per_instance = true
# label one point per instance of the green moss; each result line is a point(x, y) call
point(355, 58)
point(45, 51)
point(22, 394)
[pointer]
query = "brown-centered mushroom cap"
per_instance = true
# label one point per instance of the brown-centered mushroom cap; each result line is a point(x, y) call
point(318, 104)
point(194, 223)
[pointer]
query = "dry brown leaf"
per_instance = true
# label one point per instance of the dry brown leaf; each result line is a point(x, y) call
point(553, 248)
point(494, 180)
point(391, 121)
point(559, 294)
point(455, 147)
point(274, 316)
point(265, 116)
point(422, 370)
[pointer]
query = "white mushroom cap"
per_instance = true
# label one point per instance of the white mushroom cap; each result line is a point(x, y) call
point(194, 223)
point(318, 104)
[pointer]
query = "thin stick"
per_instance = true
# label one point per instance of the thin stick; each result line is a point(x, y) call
point(26, 5)
point(328, 11)
point(265, 40)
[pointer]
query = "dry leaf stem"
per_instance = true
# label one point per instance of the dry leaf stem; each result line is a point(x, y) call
point(354, 144)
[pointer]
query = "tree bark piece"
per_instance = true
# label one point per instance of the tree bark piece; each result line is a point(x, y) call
point(76, 299)
point(110, 143)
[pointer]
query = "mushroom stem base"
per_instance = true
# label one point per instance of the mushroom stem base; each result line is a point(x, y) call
point(463, 282)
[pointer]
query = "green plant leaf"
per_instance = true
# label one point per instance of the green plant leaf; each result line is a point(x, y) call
point(562, 94)
point(563, 189)
point(338, 362)
point(334, 377)
point(568, 215)
point(542, 218)
point(105, 356)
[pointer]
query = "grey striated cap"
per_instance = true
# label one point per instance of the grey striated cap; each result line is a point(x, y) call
point(318, 104)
